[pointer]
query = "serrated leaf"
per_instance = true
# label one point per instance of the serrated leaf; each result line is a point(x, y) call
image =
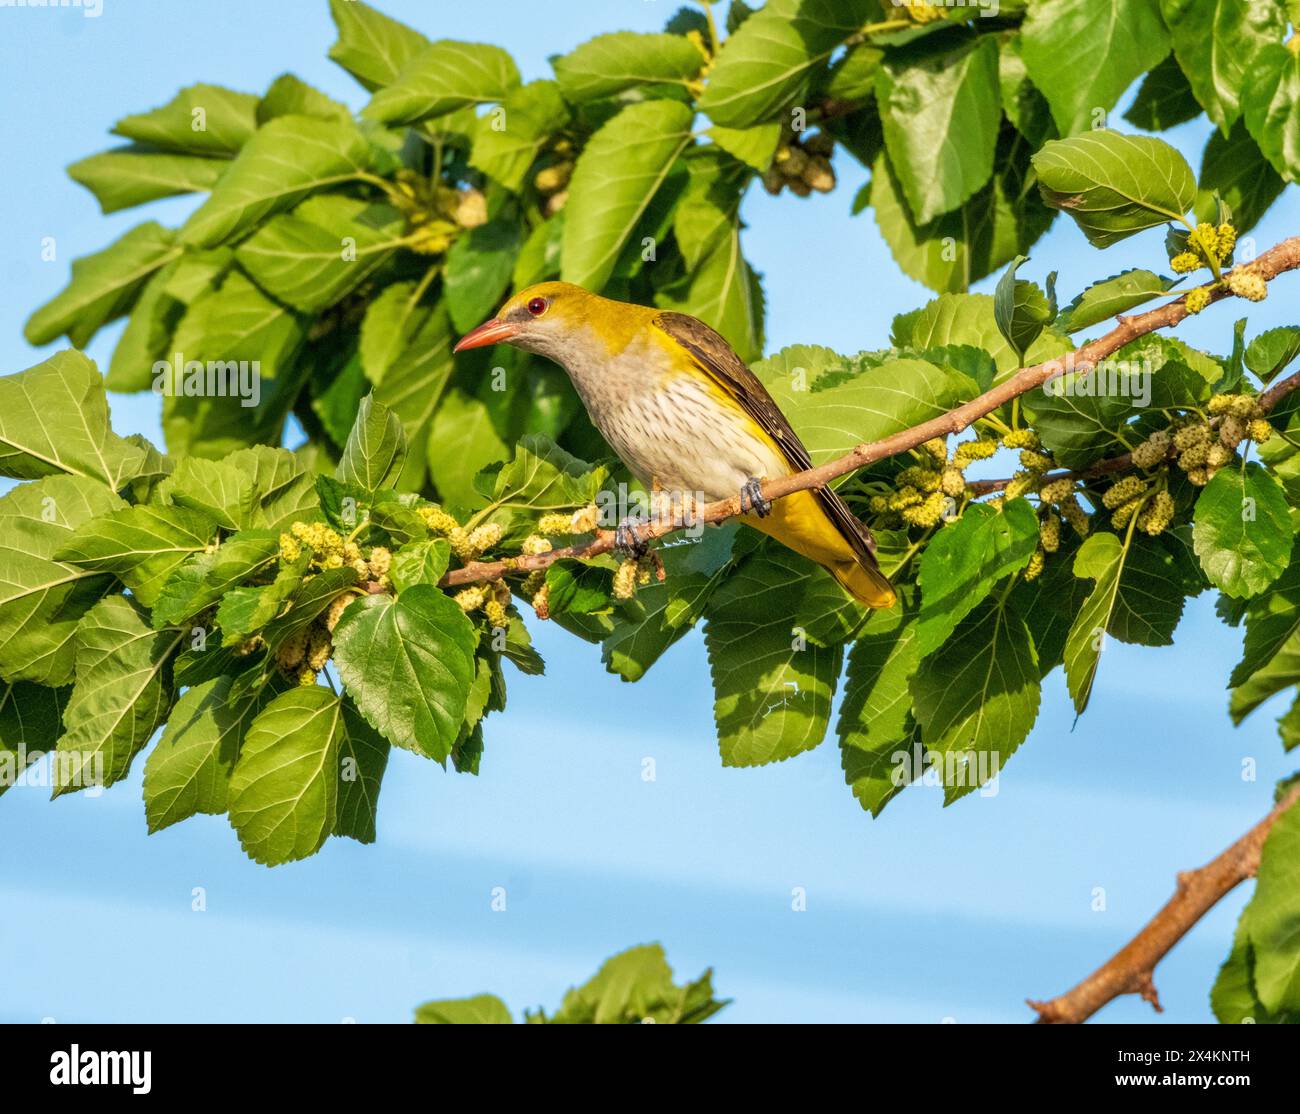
point(1235, 171)
point(199, 120)
point(1272, 916)
point(408, 663)
point(1271, 105)
point(43, 600)
point(284, 791)
point(768, 62)
point(140, 545)
point(326, 247)
point(286, 160)
point(188, 771)
point(1109, 44)
point(1242, 530)
point(363, 755)
point(1114, 185)
point(218, 489)
point(482, 1009)
point(505, 145)
point(124, 178)
point(30, 724)
point(1216, 43)
point(609, 64)
point(940, 110)
point(772, 688)
point(964, 560)
point(1117, 294)
point(121, 696)
point(103, 286)
point(1270, 352)
point(1021, 309)
point(54, 419)
point(371, 46)
point(205, 578)
point(614, 182)
point(291, 96)
point(444, 77)
point(376, 448)
point(754, 146)
point(977, 697)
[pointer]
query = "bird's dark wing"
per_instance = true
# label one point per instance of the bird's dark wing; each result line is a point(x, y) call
point(719, 361)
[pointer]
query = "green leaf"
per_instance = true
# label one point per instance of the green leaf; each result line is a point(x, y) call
point(30, 724)
point(1216, 43)
point(128, 177)
point(1242, 530)
point(1235, 171)
point(1271, 621)
point(482, 1009)
point(633, 987)
point(244, 611)
point(977, 697)
point(420, 563)
point(506, 144)
point(1100, 558)
point(376, 448)
point(312, 600)
point(408, 663)
point(188, 771)
point(54, 419)
point(413, 386)
point(964, 560)
point(880, 741)
point(1114, 185)
point(392, 319)
point(139, 545)
point(121, 696)
point(326, 247)
point(1270, 352)
point(1272, 917)
point(1271, 103)
point(199, 120)
point(462, 442)
point(441, 78)
point(43, 600)
point(1164, 100)
point(280, 481)
point(754, 146)
point(478, 271)
point(103, 286)
point(147, 335)
point(1021, 309)
point(284, 791)
point(219, 489)
point(286, 160)
point(291, 96)
point(371, 46)
point(616, 177)
point(968, 319)
point(205, 578)
point(1083, 54)
point(940, 110)
point(1117, 294)
point(609, 64)
point(772, 686)
point(1078, 415)
point(768, 62)
point(706, 213)
point(363, 757)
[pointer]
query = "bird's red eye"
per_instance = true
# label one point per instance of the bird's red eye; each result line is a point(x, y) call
point(537, 306)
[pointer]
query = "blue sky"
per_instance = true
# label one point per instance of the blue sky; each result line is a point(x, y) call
point(923, 915)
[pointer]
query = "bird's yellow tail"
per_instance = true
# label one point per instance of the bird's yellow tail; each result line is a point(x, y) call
point(866, 585)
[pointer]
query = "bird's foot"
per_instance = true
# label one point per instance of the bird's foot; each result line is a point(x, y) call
point(751, 498)
point(628, 543)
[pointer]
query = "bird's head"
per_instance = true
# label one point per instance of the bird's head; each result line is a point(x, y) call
point(545, 318)
point(563, 322)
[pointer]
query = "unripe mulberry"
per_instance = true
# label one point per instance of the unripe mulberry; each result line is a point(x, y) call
point(292, 650)
point(1120, 516)
point(937, 449)
point(337, 606)
point(439, 522)
point(1035, 461)
point(1049, 533)
point(1034, 569)
point(1153, 451)
point(904, 497)
point(1022, 483)
point(552, 179)
point(306, 676)
point(471, 210)
point(1057, 491)
point(535, 545)
point(1021, 439)
point(1198, 476)
point(496, 614)
point(381, 560)
point(470, 599)
point(952, 482)
point(625, 579)
point(1227, 241)
point(1073, 513)
point(1157, 514)
point(1196, 300)
point(1216, 456)
point(928, 512)
point(1197, 434)
point(541, 601)
point(1130, 487)
point(1194, 457)
point(1244, 406)
point(319, 647)
point(1259, 431)
point(970, 451)
point(1247, 284)
point(1185, 262)
point(586, 520)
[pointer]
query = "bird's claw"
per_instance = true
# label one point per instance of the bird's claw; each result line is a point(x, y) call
point(751, 498)
point(627, 541)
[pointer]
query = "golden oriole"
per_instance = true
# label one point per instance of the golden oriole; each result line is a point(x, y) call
point(687, 417)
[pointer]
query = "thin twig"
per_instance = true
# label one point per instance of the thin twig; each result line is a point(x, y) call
point(1131, 970)
point(1283, 257)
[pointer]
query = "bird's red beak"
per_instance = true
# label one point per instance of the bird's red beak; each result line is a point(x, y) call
point(495, 331)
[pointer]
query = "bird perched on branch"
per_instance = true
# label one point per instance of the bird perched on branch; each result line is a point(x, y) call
point(688, 418)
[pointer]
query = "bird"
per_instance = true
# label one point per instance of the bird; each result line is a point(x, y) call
point(688, 418)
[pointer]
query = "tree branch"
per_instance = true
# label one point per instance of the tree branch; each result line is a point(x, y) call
point(1282, 257)
point(1131, 969)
